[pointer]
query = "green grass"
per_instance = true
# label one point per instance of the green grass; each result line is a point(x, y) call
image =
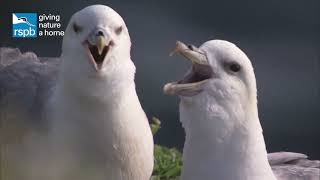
point(167, 161)
point(167, 164)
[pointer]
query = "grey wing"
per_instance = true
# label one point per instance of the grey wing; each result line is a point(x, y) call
point(294, 166)
point(25, 83)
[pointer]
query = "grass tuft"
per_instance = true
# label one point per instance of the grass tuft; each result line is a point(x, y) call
point(167, 161)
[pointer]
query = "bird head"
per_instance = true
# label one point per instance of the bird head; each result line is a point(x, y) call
point(96, 48)
point(220, 74)
point(96, 36)
point(22, 19)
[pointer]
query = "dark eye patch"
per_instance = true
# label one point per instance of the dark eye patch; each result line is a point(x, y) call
point(118, 30)
point(76, 28)
point(190, 47)
point(235, 67)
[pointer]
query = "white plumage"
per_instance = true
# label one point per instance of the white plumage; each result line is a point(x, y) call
point(218, 110)
point(97, 128)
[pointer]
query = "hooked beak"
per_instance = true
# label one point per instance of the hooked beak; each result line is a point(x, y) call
point(97, 46)
point(100, 44)
point(190, 52)
point(194, 80)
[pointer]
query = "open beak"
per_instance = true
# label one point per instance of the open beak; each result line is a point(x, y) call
point(98, 48)
point(197, 76)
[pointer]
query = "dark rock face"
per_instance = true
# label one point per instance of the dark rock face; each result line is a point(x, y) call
point(26, 82)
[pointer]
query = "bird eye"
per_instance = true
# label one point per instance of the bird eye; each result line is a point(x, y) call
point(234, 67)
point(118, 30)
point(76, 28)
point(190, 47)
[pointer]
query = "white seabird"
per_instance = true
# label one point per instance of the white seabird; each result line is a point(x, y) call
point(23, 20)
point(218, 110)
point(97, 128)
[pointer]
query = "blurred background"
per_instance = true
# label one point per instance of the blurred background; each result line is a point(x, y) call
point(282, 39)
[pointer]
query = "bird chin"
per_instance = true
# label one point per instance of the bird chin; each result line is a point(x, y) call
point(96, 59)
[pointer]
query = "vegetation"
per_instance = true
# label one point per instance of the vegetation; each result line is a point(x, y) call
point(168, 161)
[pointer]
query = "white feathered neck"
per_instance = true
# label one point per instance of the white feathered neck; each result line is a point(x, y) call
point(224, 141)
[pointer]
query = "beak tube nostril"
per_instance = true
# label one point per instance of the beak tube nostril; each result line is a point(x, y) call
point(99, 33)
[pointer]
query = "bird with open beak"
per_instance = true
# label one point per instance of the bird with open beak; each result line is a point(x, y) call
point(197, 76)
point(97, 121)
point(218, 110)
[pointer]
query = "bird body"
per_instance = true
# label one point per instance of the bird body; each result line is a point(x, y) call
point(96, 113)
point(218, 110)
point(112, 137)
point(95, 127)
point(211, 146)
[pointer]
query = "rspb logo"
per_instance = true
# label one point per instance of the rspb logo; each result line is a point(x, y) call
point(24, 25)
